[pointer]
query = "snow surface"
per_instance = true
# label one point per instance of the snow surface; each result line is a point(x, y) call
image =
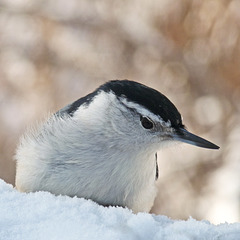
point(42, 215)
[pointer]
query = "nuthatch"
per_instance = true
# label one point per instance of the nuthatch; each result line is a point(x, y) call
point(103, 146)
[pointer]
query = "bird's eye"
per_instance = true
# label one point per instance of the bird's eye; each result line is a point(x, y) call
point(146, 122)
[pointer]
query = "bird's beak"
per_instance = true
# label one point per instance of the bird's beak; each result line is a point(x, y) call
point(184, 136)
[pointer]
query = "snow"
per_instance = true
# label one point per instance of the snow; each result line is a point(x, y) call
point(42, 215)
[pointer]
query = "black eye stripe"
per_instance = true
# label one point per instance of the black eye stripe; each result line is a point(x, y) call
point(146, 122)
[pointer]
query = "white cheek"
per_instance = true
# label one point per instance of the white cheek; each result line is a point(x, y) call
point(95, 112)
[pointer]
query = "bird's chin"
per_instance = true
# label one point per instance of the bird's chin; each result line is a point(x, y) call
point(166, 142)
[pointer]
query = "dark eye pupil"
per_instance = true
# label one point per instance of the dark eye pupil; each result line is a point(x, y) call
point(146, 123)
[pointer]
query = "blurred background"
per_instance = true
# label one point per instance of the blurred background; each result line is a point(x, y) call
point(54, 52)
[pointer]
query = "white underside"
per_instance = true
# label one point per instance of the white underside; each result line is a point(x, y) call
point(91, 155)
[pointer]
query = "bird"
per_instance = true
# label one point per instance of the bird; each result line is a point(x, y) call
point(104, 146)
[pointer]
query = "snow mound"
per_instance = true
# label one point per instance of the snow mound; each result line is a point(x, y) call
point(42, 215)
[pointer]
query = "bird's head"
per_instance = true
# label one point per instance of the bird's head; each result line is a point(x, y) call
point(129, 113)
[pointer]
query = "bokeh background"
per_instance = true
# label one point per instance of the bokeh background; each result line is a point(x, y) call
point(53, 52)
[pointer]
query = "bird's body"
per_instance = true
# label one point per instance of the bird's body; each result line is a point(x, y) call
point(102, 147)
